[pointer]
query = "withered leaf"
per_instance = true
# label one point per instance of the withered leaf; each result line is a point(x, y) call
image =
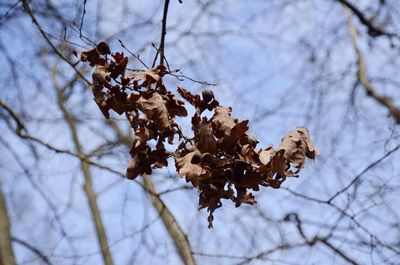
point(117, 69)
point(155, 109)
point(194, 100)
point(265, 155)
point(142, 135)
point(101, 77)
point(220, 160)
point(103, 48)
point(118, 56)
point(118, 106)
point(223, 121)
point(297, 145)
point(93, 57)
point(138, 166)
point(244, 197)
point(101, 80)
point(153, 75)
point(237, 131)
point(207, 95)
point(175, 106)
point(192, 172)
point(160, 156)
point(276, 164)
point(206, 141)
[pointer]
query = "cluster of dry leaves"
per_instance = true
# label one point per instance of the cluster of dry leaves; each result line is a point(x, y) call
point(221, 160)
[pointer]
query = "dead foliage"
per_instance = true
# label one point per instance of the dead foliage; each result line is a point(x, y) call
point(221, 160)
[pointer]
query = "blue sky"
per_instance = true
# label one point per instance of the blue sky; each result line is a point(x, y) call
point(259, 54)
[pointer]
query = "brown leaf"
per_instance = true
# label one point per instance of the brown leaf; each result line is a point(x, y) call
point(244, 197)
point(101, 77)
point(154, 108)
point(206, 141)
point(133, 117)
point(265, 155)
point(192, 172)
point(153, 75)
point(100, 80)
point(138, 166)
point(223, 121)
point(175, 106)
point(117, 69)
point(237, 131)
point(160, 155)
point(118, 56)
point(91, 56)
point(142, 135)
point(247, 138)
point(118, 106)
point(277, 164)
point(133, 169)
point(194, 100)
point(207, 95)
point(297, 145)
point(103, 48)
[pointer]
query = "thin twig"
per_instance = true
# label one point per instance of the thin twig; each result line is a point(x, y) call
point(182, 77)
point(161, 54)
point(373, 30)
point(83, 16)
point(180, 239)
point(7, 256)
point(294, 217)
point(43, 33)
point(356, 178)
point(34, 249)
point(362, 74)
point(134, 55)
point(161, 49)
point(88, 179)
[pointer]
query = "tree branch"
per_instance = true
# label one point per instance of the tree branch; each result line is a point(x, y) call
point(35, 250)
point(161, 49)
point(6, 251)
point(293, 217)
point(180, 239)
point(43, 33)
point(88, 185)
point(23, 135)
point(362, 74)
point(373, 30)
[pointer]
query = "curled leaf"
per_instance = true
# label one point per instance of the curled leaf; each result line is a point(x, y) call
point(206, 141)
point(296, 146)
point(193, 172)
point(154, 108)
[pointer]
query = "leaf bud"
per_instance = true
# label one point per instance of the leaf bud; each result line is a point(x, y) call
point(207, 95)
point(103, 48)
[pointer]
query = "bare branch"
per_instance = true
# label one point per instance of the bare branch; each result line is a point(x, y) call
point(180, 239)
point(373, 30)
point(370, 166)
point(161, 49)
point(362, 74)
point(34, 249)
point(43, 33)
point(88, 185)
point(6, 251)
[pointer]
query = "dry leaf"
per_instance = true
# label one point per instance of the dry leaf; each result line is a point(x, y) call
point(192, 172)
point(297, 145)
point(221, 160)
point(155, 109)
